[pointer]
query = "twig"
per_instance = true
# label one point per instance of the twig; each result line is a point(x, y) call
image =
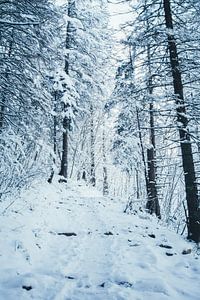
point(8, 207)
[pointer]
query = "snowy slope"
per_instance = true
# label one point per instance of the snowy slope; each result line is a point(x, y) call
point(69, 243)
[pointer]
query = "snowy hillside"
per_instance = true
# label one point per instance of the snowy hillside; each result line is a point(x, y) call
point(67, 242)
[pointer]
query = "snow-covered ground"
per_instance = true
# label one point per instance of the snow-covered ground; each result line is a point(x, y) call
point(67, 242)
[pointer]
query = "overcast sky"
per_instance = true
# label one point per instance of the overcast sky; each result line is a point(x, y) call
point(118, 12)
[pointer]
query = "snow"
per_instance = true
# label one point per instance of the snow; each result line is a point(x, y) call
point(68, 242)
point(4, 21)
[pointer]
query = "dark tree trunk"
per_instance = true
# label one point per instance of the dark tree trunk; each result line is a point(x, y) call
point(153, 202)
point(137, 183)
point(149, 169)
point(92, 144)
point(64, 160)
point(2, 110)
point(54, 138)
point(185, 142)
point(105, 172)
point(84, 177)
point(3, 100)
point(142, 149)
point(67, 120)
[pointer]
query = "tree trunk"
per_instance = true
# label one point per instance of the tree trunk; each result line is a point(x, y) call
point(92, 144)
point(153, 202)
point(64, 160)
point(2, 110)
point(185, 143)
point(54, 138)
point(3, 101)
point(149, 171)
point(105, 172)
point(67, 120)
point(142, 149)
point(137, 182)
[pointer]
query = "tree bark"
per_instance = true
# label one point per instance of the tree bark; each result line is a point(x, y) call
point(105, 171)
point(153, 202)
point(54, 138)
point(142, 149)
point(92, 144)
point(185, 142)
point(2, 110)
point(67, 120)
point(3, 101)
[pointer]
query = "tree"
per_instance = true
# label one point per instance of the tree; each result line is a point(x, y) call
point(193, 221)
point(105, 171)
point(26, 34)
point(125, 148)
point(152, 205)
point(68, 91)
point(82, 83)
point(92, 145)
point(163, 48)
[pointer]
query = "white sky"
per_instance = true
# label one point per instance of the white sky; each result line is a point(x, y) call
point(118, 12)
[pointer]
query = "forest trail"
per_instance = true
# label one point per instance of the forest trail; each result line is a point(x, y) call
point(70, 243)
point(92, 262)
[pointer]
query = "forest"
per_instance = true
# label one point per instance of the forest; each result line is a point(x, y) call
point(100, 117)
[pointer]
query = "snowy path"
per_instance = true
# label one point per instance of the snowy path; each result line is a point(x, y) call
point(73, 244)
point(92, 263)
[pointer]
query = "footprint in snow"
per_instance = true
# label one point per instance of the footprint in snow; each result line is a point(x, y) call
point(165, 246)
point(70, 277)
point(125, 284)
point(108, 233)
point(67, 233)
point(152, 236)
